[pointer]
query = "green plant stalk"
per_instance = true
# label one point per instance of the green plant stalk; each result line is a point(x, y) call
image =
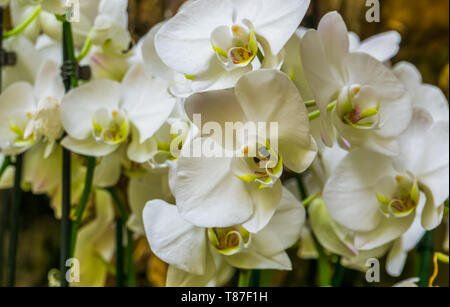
point(323, 264)
point(255, 278)
point(338, 273)
point(79, 212)
point(310, 199)
point(244, 278)
point(24, 25)
point(131, 277)
point(67, 233)
point(15, 219)
point(426, 255)
point(129, 249)
point(86, 47)
point(119, 252)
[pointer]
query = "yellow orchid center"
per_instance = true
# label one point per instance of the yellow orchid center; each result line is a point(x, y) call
point(235, 46)
point(262, 165)
point(228, 241)
point(399, 195)
point(357, 108)
point(110, 127)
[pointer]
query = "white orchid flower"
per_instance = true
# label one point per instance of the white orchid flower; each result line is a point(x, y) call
point(191, 250)
point(424, 96)
point(101, 115)
point(29, 115)
point(376, 197)
point(383, 46)
point(370, 106)
point(100, 20)
point(240, 184)
point(214, 42)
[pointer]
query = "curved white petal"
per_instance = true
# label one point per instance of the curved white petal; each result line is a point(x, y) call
point(207, 193)
point(173, 239)
point(88, 147)
point(265, 201)
point(323, 227)
point(383, 46)
point(252, 260)
point(283, 230)
point(274, 20)
point(108, 171)
point(180, 278)
point(49, 82)
point(183, 43)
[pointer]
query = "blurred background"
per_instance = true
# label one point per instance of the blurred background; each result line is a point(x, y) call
point(424, 26)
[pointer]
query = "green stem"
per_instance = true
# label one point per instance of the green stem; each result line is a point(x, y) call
point(22, 27)
point(244, 278)
point(255, 278)
point(316, 114)
point(86, 47)
point(310, 199)
point(119, 252)
point(129, 250)
point(83, 203)
point(4, 166)
point(426, 254)
point(324, 265)
point(15, 219)
point(338, 273)
point(123, 215)
point(66, 237)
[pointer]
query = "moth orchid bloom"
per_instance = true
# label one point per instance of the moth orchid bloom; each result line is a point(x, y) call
point(214, 42)
point(99, 20)
point(239, 183)
point(383, 46)
point(29, 115)
point(376, 197)
point(101, 115)
point(192, 251)
point(369, 106)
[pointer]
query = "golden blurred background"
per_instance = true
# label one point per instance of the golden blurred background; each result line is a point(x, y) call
point(424, 26)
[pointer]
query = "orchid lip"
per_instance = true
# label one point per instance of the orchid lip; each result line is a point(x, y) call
point(402, 198)
point(110, 127)
point(235, 46)
point(265, 167)
point(229, 241)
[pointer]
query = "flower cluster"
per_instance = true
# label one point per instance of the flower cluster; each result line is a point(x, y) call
point(371, 139)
